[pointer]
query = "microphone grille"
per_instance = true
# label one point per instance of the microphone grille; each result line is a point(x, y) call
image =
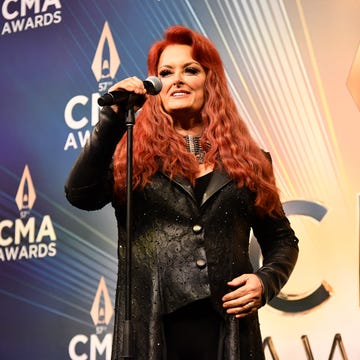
point(153, 85)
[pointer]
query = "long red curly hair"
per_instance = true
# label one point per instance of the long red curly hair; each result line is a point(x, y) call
point(158, 147)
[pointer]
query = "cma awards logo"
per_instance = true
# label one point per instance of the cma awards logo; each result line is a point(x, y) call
point(28, 236)
point(82, 111)
point(23, 15)
point(313, 297)
point(82, 346)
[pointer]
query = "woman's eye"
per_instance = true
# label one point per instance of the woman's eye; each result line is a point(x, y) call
point(164, 73)
point(192, 71)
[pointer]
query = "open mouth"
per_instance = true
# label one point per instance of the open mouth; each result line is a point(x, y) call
point(179, 93)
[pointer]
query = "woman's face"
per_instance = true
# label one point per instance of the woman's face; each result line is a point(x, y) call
point(183, 80)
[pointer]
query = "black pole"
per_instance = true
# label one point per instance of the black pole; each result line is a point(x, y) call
point(127, 351)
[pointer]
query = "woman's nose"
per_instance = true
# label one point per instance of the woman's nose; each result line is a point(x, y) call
point(178, 79)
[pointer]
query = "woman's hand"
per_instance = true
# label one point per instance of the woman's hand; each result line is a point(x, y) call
point(246, 298)
point(131, 84)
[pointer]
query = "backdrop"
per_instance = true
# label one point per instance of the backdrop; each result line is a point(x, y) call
point(293, 67)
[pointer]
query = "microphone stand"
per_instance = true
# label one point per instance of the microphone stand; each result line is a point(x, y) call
point(127, 351)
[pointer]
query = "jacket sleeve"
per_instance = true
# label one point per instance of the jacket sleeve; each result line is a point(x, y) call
point(279, 247)
point(90, 182)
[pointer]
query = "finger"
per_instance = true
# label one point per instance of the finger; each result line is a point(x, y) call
point(239, 292)
point(239, 302)
point(249, 308)
point(250, 305)
point(132, 84)
point(238, 281)
point(243, 310)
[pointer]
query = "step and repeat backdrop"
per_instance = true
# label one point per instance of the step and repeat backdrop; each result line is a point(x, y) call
point(293, 67)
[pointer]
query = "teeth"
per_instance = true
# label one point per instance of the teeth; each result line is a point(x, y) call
point(179, 93)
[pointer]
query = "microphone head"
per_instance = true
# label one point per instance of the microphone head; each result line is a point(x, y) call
point(153, 85)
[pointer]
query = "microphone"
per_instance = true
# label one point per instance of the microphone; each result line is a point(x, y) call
point(152, 85)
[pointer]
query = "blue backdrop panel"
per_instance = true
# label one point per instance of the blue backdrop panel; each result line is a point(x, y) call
point(52, 255)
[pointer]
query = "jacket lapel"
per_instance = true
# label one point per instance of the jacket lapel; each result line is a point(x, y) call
point(218, 180)
point(185, 185)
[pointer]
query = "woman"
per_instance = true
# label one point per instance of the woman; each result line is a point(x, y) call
point(200, 184)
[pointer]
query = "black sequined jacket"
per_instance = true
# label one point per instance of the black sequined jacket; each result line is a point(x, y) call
point(182, 252)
